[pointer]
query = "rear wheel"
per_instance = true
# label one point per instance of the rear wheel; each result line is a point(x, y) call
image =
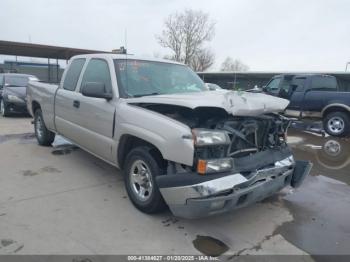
point(337, 124)
point(3, 110)
point(141, 169)
point(44, 136)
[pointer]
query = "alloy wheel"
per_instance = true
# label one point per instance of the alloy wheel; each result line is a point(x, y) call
point(141, 180)
point(336, 125)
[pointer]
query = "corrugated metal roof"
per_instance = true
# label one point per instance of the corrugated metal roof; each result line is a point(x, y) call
point(43, 51)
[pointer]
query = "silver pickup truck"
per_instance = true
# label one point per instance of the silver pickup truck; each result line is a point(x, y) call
point(199, 152)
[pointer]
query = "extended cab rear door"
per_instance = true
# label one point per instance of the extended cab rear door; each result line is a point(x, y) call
point(66, 117)
point(321, 89)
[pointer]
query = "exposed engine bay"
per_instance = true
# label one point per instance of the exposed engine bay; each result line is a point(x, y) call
point(238, 159)
point(248, 134)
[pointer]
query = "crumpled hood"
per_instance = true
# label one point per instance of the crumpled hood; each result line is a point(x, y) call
point(234, 102)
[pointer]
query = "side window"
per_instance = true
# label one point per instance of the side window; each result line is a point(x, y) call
point(285, 85)
point(73, 73)
point(97, 71)
point(1, 81)
point(324, 82)
point(299, 84)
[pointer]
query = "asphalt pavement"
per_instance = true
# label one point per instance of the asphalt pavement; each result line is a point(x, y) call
point(62, 200)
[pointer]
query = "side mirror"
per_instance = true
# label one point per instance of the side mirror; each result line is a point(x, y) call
point(294, 87)
point(96, 89)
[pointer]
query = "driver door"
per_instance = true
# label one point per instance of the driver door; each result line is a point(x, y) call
point(95, 116)
point(296, 104)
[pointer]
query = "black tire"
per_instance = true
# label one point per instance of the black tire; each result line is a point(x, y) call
point(44, 136)
point(340, 117)
point(3, 110)
point(155, 202)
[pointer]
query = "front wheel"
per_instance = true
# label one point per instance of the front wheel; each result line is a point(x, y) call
point(337, 124)
point(140, 171)
point(44, 136)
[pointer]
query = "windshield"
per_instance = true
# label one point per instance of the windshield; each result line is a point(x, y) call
point(273, 86)
point(19, 80)
point(140, 78)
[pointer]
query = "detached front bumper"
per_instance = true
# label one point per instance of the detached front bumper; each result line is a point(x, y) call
point(193, 195)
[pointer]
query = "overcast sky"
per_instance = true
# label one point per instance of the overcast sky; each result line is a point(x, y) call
point(267, 35)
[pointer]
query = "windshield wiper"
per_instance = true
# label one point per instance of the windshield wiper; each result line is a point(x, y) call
point(141, 95)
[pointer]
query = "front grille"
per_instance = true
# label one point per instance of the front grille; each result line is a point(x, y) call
point(253, 134)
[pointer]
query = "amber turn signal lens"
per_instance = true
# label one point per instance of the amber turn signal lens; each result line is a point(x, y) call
point(201, 166)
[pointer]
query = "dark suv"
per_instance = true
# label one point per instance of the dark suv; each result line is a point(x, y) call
point(314, 96)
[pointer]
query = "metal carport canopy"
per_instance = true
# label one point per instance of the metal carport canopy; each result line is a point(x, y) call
point(44, 51)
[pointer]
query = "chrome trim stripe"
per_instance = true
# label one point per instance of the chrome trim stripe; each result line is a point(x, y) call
point(292, 113)
point(311, 114)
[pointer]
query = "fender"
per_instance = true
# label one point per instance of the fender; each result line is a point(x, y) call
point(335, 105)
point(164, 133)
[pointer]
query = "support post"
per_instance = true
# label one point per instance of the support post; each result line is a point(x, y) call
point(57, 72)
point(48, 70)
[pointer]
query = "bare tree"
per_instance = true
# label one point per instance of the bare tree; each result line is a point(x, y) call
point(234, 65)
point(185, 34)
point(202, 60)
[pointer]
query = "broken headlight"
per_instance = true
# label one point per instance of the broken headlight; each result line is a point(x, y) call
point(214, 165)
point(211, 150)
point(207, 137)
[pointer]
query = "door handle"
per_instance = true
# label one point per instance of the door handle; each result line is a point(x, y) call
point(76, 103)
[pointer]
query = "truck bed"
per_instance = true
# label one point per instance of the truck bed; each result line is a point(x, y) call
point(44, 95)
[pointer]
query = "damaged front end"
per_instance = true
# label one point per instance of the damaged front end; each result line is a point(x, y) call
point(238, 160)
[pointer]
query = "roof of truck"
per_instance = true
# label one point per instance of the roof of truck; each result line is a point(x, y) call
point(125, 56)
point(303, 75)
